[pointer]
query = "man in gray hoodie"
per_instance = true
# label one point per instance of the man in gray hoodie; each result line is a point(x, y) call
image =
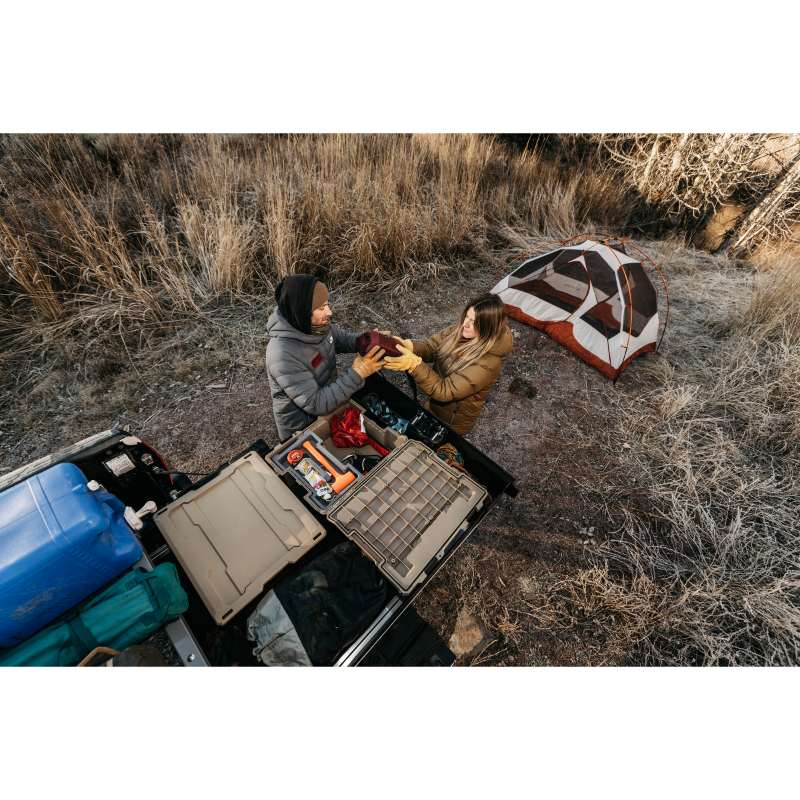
point(301, 356)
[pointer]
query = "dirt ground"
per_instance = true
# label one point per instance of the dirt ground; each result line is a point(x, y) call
point(199, 393)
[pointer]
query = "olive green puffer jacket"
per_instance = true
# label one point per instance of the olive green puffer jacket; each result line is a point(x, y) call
point(458, 399)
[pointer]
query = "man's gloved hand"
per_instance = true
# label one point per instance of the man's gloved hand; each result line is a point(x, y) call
point(407, 362)
point(370, 363)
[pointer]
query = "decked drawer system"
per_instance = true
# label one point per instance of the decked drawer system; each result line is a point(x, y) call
point(255, 523)
point(406, 511)
point(235, 533)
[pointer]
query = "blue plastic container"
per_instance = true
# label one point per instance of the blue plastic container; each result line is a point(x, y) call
point(59, 542)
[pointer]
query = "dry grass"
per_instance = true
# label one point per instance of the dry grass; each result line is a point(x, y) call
point(598, 608)
point(705, 568)
point(113, 231)
point(106, 231)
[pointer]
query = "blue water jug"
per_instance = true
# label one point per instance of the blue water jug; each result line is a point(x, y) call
point(59, 542)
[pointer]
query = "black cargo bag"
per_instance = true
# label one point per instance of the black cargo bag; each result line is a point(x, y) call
point(310, 619)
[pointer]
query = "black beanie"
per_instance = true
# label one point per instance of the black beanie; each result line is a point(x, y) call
point(294, 295)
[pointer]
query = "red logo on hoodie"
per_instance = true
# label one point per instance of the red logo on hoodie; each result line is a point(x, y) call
point(316, 361)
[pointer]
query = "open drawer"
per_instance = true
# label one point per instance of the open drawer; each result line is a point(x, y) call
point(406, 511)
point(403, 512)
point(236, 532)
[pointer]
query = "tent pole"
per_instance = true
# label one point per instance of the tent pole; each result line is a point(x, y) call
point(645, 259)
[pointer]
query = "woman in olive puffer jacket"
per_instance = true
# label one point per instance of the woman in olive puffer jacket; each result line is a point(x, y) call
point(467, 359)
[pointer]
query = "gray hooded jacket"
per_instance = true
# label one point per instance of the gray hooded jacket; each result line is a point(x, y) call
point(302, 373)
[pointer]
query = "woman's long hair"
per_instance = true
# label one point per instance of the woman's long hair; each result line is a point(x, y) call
point(490, 326)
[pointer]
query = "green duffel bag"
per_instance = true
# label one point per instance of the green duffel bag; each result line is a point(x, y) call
point(129, 610)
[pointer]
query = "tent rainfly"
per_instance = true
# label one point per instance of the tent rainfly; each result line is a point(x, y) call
point(592, 297)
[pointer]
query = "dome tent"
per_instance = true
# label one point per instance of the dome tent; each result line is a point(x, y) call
point(592, 297)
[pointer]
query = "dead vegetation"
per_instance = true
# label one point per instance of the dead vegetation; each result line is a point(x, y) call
point(706, 177)
point(707, 569)
point(110, 232)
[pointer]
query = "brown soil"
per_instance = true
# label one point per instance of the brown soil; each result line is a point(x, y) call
point(199, 394)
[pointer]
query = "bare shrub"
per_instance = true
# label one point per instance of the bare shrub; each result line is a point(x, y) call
point(775, 216)
point(697, 172)
point(690, 176)
point(776, 151)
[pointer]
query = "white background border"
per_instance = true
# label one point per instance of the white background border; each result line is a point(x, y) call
point(175, 65)
point(415, 66)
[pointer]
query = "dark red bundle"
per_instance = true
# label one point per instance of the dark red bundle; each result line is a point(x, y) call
point(346, 431)
point(366, 341)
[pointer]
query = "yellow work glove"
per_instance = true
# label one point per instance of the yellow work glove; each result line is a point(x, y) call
point(370, 363)
point(407, 362)
point(407, 343)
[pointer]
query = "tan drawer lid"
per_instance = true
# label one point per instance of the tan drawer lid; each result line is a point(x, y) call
point(236, 533)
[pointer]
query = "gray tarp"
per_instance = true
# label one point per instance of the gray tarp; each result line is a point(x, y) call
point(277, 642)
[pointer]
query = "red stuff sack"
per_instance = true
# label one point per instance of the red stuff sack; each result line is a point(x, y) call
point(366, 341)
point(347, 431)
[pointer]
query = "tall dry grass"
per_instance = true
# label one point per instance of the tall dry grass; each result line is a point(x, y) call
point(108, 230)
